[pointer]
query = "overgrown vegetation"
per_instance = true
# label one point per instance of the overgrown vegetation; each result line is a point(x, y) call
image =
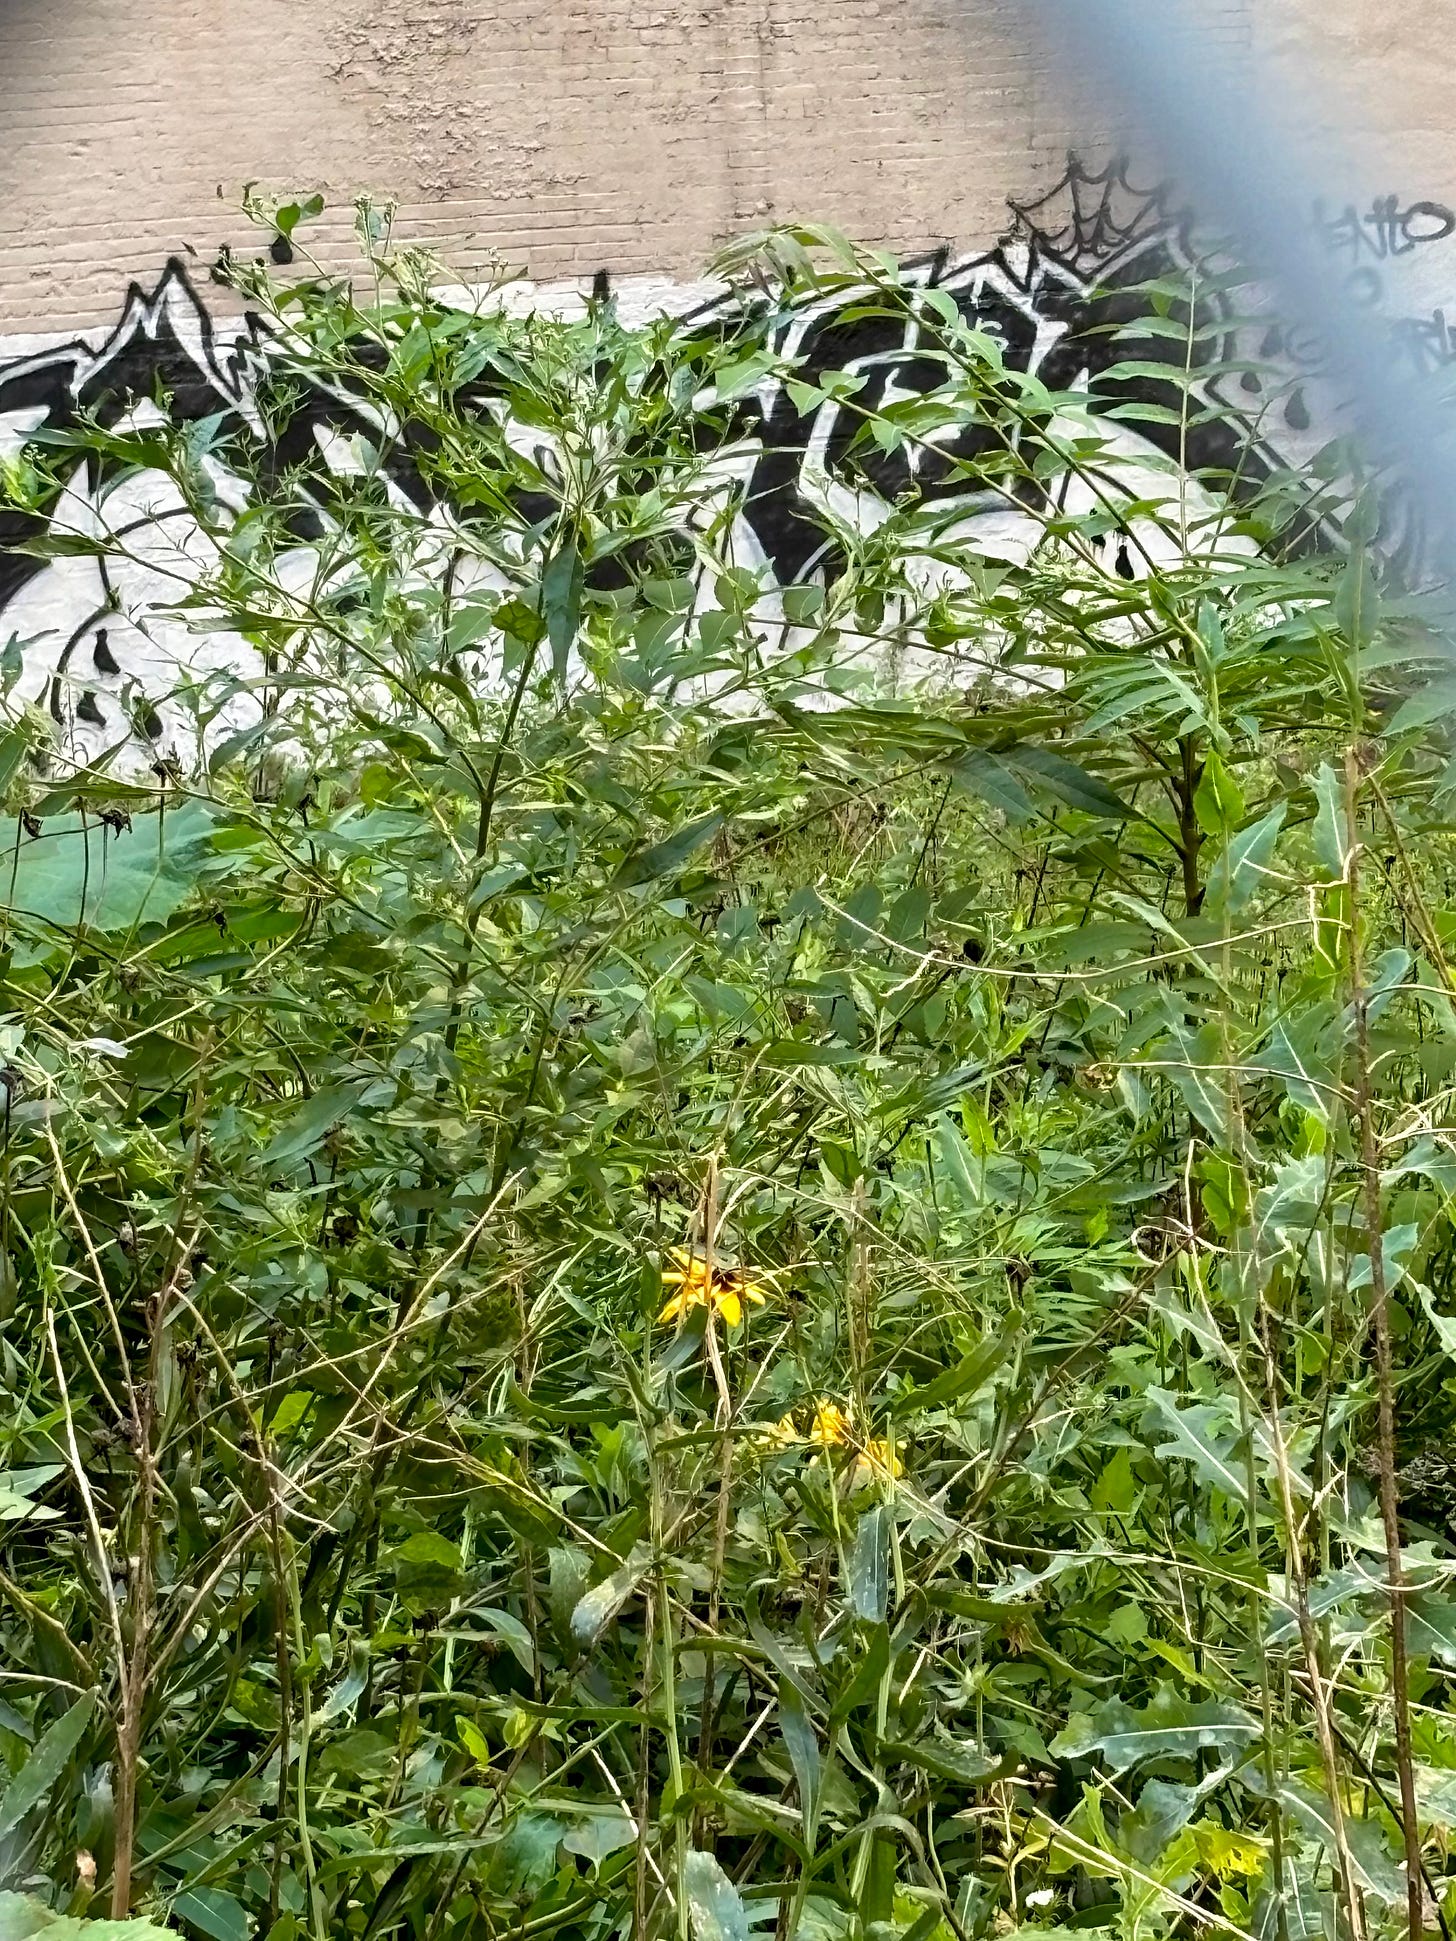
point(640, 1305)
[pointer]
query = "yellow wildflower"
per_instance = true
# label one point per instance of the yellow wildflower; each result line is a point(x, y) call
point(830, 1425)
point(722, 1291)
point(881, 1457)
point(878, 1458)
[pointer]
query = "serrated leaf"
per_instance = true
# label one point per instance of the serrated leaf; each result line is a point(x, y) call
point(1196, 1437)
point(1169, 1728)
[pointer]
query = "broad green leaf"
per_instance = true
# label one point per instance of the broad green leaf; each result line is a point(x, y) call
point(78, 871)
point(22, 1918)
point(215, 1911)
point(715, 1907)
point(601, 1833)
point(1313, 1813)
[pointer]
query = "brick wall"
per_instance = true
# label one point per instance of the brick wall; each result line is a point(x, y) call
point(572, 135)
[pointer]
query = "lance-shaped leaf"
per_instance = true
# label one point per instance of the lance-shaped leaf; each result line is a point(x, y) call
point(868, 1583)
point(1246, 863)
point(803, 1749)
point(1333, 846)
point(47, 1762)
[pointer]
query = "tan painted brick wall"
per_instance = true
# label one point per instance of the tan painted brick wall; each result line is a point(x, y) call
point(565, 135)
point(572, 135)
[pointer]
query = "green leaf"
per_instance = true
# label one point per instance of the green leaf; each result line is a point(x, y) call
point(603, 1832)
point(1244, 866)
point(1196, 1437)
point(17, 1486)
point(1431, 1627)
point(347, 1693)
point(715, 1906)
point(1332, 844)
point(561, 590)
point(964, 1765)
point(358, 1755)
point(218, 1914)
point(47, 1762)
point(1169, 1728)
point(23, 1918)
point(513, 1634)
point(305, 1130)
point(78, 871)
point(803, 1749)
point(1434, 702)
point(988, 777)
point(967, 1376)
point(868, 1565)
point(427, 1572)
point(595, 1611)
point(1071, 783)
point(665, 858)
point(1218, 801)
point(1376, 1871)
point(1357, 603)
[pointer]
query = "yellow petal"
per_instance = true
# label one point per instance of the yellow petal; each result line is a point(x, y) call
point(729, 1306)
point(672, 1309)
point(831, 1424)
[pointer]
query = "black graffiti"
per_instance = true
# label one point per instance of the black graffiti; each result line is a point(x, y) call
point(1387, 229)
point(1063, 295)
